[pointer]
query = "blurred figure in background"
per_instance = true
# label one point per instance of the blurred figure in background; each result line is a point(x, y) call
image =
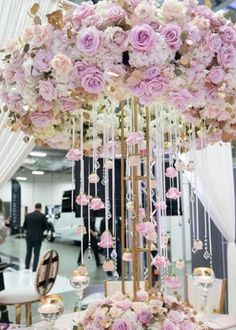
point(35, 224)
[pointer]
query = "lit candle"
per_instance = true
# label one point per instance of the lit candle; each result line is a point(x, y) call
point(48, 309)
point(204, 279)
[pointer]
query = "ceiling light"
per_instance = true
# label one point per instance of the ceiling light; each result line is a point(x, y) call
point(38, 154)
point(29, 161)
point(21, 178)
point(38, 172)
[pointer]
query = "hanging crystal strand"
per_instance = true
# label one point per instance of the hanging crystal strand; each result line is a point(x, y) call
point(210, 240)
point(89, 256)
point(95, 153)
point(82, 175)
point(192, 198)
point(178, 179)
point(72, 173)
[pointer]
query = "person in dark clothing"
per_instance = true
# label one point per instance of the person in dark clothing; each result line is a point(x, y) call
point(35, 224)
point(94, 241)
point(118, 239)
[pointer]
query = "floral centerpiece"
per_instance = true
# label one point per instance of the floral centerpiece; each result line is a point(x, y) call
point(121, 313)
point(177, 53)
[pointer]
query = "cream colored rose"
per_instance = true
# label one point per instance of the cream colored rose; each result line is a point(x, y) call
point(173, 10)
point(115, 312)
point(62, 65)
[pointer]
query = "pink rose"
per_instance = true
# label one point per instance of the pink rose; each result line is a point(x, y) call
point(168, 325)
point(179, 165)
point(41, 34)
point(228, 34)
point(116, 13)
point(171, 172)
point(93, 178)
point(81, 12)
point(141, 296)
point(145, 228)
point(141, 213)
point(156, 86)
point(127, 256)
point(62, 65)
point(47, 90)
point(151, 73)
point(114, 73)
point(186, 325)
point(144, 11)
point(134, 138)
point(173, 282)
point(106, 240)
point(216, 75)
point(108, 265)
point(41, 119)
point(171, 33)
point(73, 154)
point(116, 39)
point(122, 324)
point(173, 193)
point(180, 99)
point(144, 317)
point(43, 105)
point(89, 40)
point(96, 204)
point(142, 38)
point(83, 199)
point(69, 105)
point(160, 205)
point(42, 60)
point(79, 69)
point(123, 304)
point(137, 89)
point(227, 56)
point(93, 81)
point(175, 316)
point(213, 42)
point(160, 261)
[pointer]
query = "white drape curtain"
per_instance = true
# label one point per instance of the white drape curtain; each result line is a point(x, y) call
point(13, 20)
point(215, 189)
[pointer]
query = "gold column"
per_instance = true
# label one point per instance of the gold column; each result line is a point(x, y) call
point(28, 314)
point(18, 313)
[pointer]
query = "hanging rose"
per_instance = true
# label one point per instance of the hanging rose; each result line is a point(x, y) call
point(108, 265)
point(108, 164)
point(171, 172)
point(180, 264)
point(83, 199)
point(173, 193)
point(160, 261)
point(106, 240)
point(134, 138)
point(93, 178)
point(73, 154)
point(197, 245)
point(161, 205)
point(172, 282)
point(141, 213)
point(81, 230)
point(179, 165)
point(127, 256)
point(96, 204)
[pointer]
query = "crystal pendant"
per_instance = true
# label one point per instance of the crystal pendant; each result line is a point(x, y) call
point(116, 275)
point(113, 254)
point(89, 256)
point(206, 255)
point(97, 165)
point(194, 250)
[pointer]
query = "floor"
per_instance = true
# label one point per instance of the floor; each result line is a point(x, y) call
point(14, 249)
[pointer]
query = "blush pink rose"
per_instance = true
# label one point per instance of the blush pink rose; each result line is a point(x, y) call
point(62, 65)
point(228, 34)
point(81, 12)
point(213, 42)
point(93, 178)
point(42, 60)
point(173, 282)
point(180, 165)
point(180, 99)
point(47, 90)
point(123, 304)
point(168, 325)
point(141, 296)
point(137, 89)
point(151, 73)
point(171, 33)
point(227, 56)
point(175, 316)
point(216, 75)
point(41, 119)
point(79, 69)
point(186, 325)
point(141, 213)
point(122, 324)
point(132, 3)
point(127, 256)
point(73, 154)
point(116, 13)
point(41, 35)
point(173, 193)
point(160, 261)
point(160, 205)
point(113, 73)
point(106, 240)
point(142, 38)
point(108, 265)
point(96, 204)
point(89, 40)
point(83, 199)
point(171, 172)
point(144, 317)
point(69, 105)
point(156, 86)
point(93, 81)
point(116, 39)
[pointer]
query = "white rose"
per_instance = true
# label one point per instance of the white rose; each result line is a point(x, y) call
point(173, 10)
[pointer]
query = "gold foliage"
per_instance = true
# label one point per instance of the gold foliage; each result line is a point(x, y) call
point(34, 9)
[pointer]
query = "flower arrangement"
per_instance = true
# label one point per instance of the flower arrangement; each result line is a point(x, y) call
point(177, 53)
point(121, 313)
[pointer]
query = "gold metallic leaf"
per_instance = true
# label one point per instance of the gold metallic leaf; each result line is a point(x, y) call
point(56, 19)
point(37, 20)
point(121, 3)
point(34, 9)
point(208, 3)
point(86, 115)
point(26, 48)
point(26, 139)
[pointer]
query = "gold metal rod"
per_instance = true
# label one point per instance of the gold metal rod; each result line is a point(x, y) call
point(148, 196)
point(123, 264)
